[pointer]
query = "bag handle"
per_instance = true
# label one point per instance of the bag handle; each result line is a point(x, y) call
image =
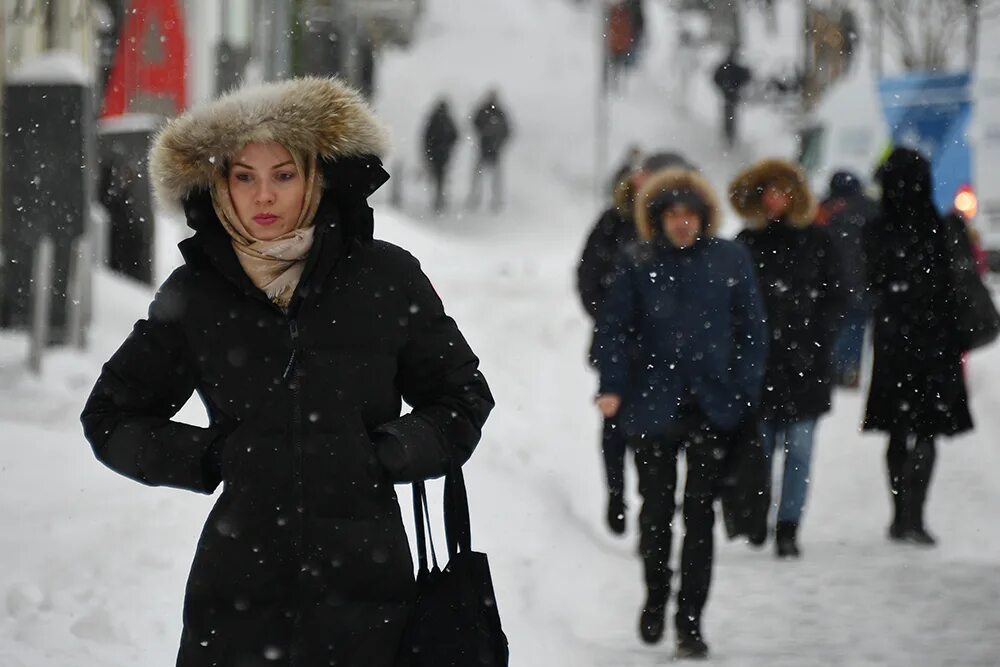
point(421, 513)
point(457, 523)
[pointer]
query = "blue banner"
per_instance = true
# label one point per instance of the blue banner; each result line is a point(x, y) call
point(930, 113)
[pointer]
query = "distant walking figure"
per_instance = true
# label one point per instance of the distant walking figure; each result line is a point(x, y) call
point(492, 130)
point(440, 136)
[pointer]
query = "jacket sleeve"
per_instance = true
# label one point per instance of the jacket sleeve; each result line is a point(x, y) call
point(616, 329)
point(127, 418)
point(749, 331)
point(439, 378)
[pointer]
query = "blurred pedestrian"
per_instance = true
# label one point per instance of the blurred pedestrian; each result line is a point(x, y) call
point(917, 390)
point(846, 212)
point(631, 162)
point(731, 77)
point(614, 230)
point(493, 130)
point(440, 136)
point(799, 277)
point(274, 320)
point(680, 348)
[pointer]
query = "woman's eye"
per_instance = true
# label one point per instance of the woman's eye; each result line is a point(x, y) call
point(243, 178)
point(286, 176)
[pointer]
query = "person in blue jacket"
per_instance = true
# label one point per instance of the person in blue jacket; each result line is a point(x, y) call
point(681, 345)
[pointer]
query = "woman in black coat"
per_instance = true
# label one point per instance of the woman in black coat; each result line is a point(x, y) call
point(917, 390)
point(800, 282)
point(301, 335)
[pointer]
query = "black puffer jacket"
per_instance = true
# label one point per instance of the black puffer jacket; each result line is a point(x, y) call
point(798, 272)
point(304, 559)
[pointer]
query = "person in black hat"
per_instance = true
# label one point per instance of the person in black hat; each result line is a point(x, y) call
point(680, 347)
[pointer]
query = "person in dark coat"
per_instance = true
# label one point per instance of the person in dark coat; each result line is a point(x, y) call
point(731, 77)
point(613, 231)
point(680, 346)
point(302, 335)
point(493, 130)
point(799, 276)
point(845, 213)
point(917, 390)
point(440, 135)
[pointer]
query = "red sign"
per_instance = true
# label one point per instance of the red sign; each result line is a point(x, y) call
point(138, 73)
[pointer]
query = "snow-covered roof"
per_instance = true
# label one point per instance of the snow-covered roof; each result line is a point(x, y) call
point(129, 122)
point(52, 68)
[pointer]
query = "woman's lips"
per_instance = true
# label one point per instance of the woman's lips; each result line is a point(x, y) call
point(265, 219)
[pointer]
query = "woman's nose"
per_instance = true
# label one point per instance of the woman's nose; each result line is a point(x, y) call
point(264, 194)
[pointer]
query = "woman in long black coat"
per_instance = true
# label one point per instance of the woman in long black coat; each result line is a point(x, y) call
point(301, 334)
point(917, 391)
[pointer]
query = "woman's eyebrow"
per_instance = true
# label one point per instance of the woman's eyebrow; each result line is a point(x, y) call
point(246, 166)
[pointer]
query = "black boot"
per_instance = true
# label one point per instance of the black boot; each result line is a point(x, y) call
point(690, 644)
point(897, 529)
point(918, 481)
point(653, 617)
point(784, 539)
point(896, 457)
point(616, 513)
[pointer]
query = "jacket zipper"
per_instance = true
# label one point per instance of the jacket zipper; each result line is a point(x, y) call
point(292, 373)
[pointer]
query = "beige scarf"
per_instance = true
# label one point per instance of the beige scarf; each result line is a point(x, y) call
point(274, 266)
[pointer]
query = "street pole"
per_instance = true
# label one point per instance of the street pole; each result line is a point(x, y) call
point(3, 90)
point(603, 115)
point(879, 38)
point(278, 54)
point(972, 12)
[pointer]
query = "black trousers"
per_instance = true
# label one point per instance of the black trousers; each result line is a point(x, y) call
point(656, 459)
point(613, 446)
point(910, 460)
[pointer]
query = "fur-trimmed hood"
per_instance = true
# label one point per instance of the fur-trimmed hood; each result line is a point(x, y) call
point(312, 115)
point(675, 180)
point(745, 196)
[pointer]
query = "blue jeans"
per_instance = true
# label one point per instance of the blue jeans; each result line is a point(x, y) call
point(797, 439)
point(847, 347)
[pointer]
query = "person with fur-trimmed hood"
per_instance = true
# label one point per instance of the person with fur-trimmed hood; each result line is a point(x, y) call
point(680, 347)
point(797, 266)
point(301, 335)
point(614, 230)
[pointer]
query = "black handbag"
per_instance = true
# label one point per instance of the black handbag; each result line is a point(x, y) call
point(746, 487)
point(455, 621)
point(976, 316)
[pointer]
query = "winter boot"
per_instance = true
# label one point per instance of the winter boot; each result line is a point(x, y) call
point(653, 618)
point(616, 513)
point(690, 644)
point(914, 531)
point(897, 529)
point(785, 539)
point(918, 481)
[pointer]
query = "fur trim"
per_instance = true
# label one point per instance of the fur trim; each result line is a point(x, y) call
point(624, 196)
point(746, 201)
point(675, 179)
point(313, 115)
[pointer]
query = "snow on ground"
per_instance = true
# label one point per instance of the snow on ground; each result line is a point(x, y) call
point(94, 565)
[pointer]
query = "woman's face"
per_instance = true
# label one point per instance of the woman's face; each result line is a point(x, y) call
point(776, 201)
point(267, 190)
point(681, 225)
